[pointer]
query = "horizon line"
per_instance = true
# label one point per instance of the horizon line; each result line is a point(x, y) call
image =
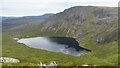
point(53, 12)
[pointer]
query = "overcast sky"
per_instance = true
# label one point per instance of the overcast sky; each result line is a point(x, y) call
point(39, 7)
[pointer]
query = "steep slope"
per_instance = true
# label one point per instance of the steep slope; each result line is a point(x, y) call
point(81, 22)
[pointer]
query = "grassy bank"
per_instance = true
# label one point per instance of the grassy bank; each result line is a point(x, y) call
point(100, 54)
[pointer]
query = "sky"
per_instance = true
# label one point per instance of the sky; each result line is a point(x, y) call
point(19, 8)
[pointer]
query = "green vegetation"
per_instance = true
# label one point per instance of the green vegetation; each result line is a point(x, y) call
point(86, 28)
point(100, 54)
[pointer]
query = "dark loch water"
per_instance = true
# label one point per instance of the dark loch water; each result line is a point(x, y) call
point(65, 45)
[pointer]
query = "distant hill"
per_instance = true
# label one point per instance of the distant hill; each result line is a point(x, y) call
point(11, 22)
point(4, 18)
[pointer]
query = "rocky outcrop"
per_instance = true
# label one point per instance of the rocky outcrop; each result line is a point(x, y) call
point(8, 60)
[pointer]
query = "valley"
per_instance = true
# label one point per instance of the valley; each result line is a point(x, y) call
point(94, 28)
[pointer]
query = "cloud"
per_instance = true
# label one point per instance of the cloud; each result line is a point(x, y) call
point(39, 7)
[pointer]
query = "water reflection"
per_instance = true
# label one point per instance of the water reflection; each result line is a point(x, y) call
point(55, 44)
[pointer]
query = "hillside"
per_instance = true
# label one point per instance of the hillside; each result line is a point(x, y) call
point(12, 22)
point(80, 22)
point(95, 28)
